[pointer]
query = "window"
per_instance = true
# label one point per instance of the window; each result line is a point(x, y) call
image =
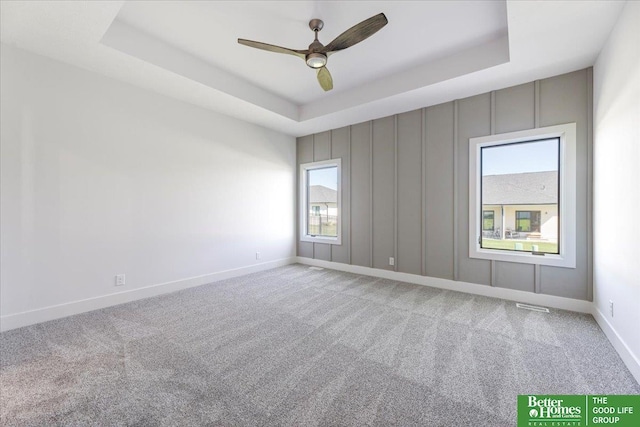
point(320, 202)
point(528, 221)
point(522, 198)
point(488, 220)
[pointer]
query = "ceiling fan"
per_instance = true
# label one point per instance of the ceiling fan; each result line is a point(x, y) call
point(317, 54)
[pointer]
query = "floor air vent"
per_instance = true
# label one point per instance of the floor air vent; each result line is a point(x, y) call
point(316, 268)
point(532, 307)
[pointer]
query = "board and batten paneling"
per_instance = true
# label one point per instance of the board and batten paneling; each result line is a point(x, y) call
point(514, 108)
point(383, 156)
point(360, 202)
point(565, 99)
point(439, 184)
point(405, 185)
point(473, 119)
point(322, 151)
point(322, 146)
point(304, 155)
point(341, 148)
point(409, 192)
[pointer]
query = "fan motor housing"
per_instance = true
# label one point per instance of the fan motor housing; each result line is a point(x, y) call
point(316, 60)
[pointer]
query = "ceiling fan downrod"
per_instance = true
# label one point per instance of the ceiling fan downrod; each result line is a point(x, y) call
point(314, 59)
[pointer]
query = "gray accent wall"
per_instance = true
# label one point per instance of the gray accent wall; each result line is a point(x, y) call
point(405, 185)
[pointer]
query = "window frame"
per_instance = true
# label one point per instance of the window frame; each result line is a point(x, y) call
point(566, 196)
point(304, 168)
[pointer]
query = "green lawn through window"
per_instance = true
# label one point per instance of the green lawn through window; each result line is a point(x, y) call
point(327, 229)
point(547, 247)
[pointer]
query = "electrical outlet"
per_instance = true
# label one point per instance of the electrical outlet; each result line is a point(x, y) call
point(257, 255)
point(611, 308)
point(392, 261)
point(120, 280)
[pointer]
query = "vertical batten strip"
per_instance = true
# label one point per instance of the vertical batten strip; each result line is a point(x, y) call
point(297, 193)
point(492, 273)
point(537, 270)
point(455, 189)
point(492, 131)
point(350, 196)
point(395, 193)
point(536, 104)
point(371, 193)
point(339, 183)
point(492, 124)
point(423, 193)
point(313, 159)
point(590, 184)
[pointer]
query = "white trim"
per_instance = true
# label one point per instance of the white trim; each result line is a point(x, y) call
point(18, 320)
point(567, 196)
point(627, 356)
point(304, 237)
point(562, 303)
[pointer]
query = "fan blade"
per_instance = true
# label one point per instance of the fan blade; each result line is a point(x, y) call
point(324, 77)
point(357, 33)
point(272, 48)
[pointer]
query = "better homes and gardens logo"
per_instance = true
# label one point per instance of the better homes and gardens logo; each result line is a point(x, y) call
point(555, 410)
point(578, 410)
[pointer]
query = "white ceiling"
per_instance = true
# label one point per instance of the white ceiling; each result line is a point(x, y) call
point(430, 52)
point(420, 32)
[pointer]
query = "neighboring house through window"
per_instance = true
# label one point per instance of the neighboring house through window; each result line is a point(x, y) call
point(523, 203)
point(320, 202)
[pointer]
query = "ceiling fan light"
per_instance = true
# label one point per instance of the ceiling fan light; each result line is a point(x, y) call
point(316, 60)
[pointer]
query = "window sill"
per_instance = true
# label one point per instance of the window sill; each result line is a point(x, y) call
point(318, 239)
point(552, 260)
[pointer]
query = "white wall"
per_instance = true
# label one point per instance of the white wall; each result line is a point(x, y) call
point(616, 175)
point(101, 178)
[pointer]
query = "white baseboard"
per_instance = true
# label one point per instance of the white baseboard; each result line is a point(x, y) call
point(18, 320)
point(627, 356)
point(451, 285)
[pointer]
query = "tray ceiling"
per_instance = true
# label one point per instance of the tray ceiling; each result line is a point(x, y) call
point(430, 52)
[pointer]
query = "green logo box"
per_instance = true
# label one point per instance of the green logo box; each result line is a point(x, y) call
point(538, 410)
